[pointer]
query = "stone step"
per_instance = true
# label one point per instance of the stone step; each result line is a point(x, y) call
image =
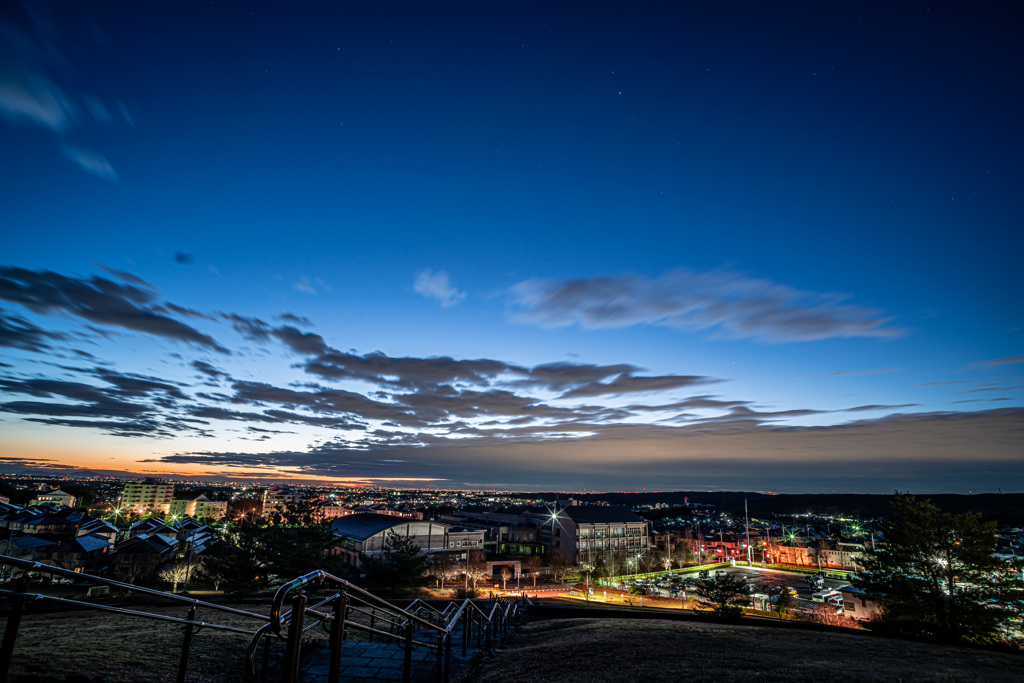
point(362, 661)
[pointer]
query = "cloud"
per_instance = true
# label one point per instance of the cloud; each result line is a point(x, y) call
point(97, 109)
point(132, 405)
point(125, 275)
point(866, 408)
point(437, 286)
point(209, 370)
point(628, 384)
point(306, 343)
point(999, 362)
point(919, 452)
point(730, 305)
point(28, 95)
point(31, 63)
point(91, 161)
point(310, 286)
point(18, 333)
point(296, 319)
point(97, 300)
point(850, 373)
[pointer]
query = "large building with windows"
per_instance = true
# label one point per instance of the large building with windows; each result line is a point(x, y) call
point(151, 495)
point(198, 506)
point(585, 533)
point(56, 497)
point(576, 533)
point(367, 533)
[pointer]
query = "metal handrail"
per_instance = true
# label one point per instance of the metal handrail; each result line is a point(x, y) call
point(319, 574)
point(21, 596)
point(27, 565)
point(121, 610)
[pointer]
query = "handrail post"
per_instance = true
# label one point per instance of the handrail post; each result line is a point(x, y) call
point(13, 623)
point(265, 673)
point(465, 631)
point(407, 664)
point(439, 666)
point(479, 628)
point(373, 619)
point(185, 645)
point(487, 634)
point(337, 637)
point(447, 657)
point(294, 647)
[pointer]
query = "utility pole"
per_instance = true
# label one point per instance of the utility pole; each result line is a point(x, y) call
point(746, 528)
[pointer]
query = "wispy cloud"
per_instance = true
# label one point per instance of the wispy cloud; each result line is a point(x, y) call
point(999, 362)
point(438, 286)
point(91, 161)
point(31, 68)
point(728, 304)
point(308, 285)
point(852, 373)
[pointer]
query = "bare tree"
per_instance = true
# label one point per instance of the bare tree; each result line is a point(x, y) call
point(443, 568)
point(560, 567)
point(476, 566)
point(533, 564)
point(506, 574)
point(174, 575)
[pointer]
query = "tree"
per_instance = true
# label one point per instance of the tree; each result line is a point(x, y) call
point(533, 564)
point(174, 574)
point(239, 563)
point(780, 596)
point(506, 574)
point(292, 551)
point(443, 568)
point(559, 567)
point(725, 593)
point(476, 566)
point(401, 568)
point(936, 577)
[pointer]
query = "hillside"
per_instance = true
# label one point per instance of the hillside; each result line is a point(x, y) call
point(587, 650)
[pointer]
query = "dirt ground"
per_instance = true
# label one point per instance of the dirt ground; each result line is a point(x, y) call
point(639, 651)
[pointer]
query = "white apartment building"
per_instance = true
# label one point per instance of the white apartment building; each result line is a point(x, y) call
point(199, 507)
point(151, 495)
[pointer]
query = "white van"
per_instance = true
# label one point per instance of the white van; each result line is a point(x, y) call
point(826, 596)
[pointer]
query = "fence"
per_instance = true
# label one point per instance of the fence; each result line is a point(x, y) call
point(349, 610)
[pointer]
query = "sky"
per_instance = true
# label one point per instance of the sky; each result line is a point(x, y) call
point(515, 245)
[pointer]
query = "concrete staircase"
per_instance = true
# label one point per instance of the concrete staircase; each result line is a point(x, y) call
point(364, 662)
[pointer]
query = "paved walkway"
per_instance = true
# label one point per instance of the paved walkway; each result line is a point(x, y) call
point(371, 662)
point(363, 662)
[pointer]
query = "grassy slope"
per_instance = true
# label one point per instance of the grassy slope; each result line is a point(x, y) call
point(128, 648)
point(635, 651)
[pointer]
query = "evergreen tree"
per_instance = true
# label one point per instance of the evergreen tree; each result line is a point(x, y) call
point(400, 569)
point(936, 576)
point(239, 564)
point(725, 593)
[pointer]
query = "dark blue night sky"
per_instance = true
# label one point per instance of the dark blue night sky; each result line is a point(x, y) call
point(522, 245)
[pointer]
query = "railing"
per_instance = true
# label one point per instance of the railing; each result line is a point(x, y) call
point(20, 598)
point(353, 609)
point(349, 609)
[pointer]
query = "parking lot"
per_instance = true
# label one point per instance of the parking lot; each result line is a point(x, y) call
point(798, 581)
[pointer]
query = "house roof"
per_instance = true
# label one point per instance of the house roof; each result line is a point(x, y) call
point(363, 525)
point(91, 542)
point(601, 514)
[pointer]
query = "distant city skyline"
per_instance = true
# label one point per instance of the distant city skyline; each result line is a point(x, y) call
point(529, 246)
